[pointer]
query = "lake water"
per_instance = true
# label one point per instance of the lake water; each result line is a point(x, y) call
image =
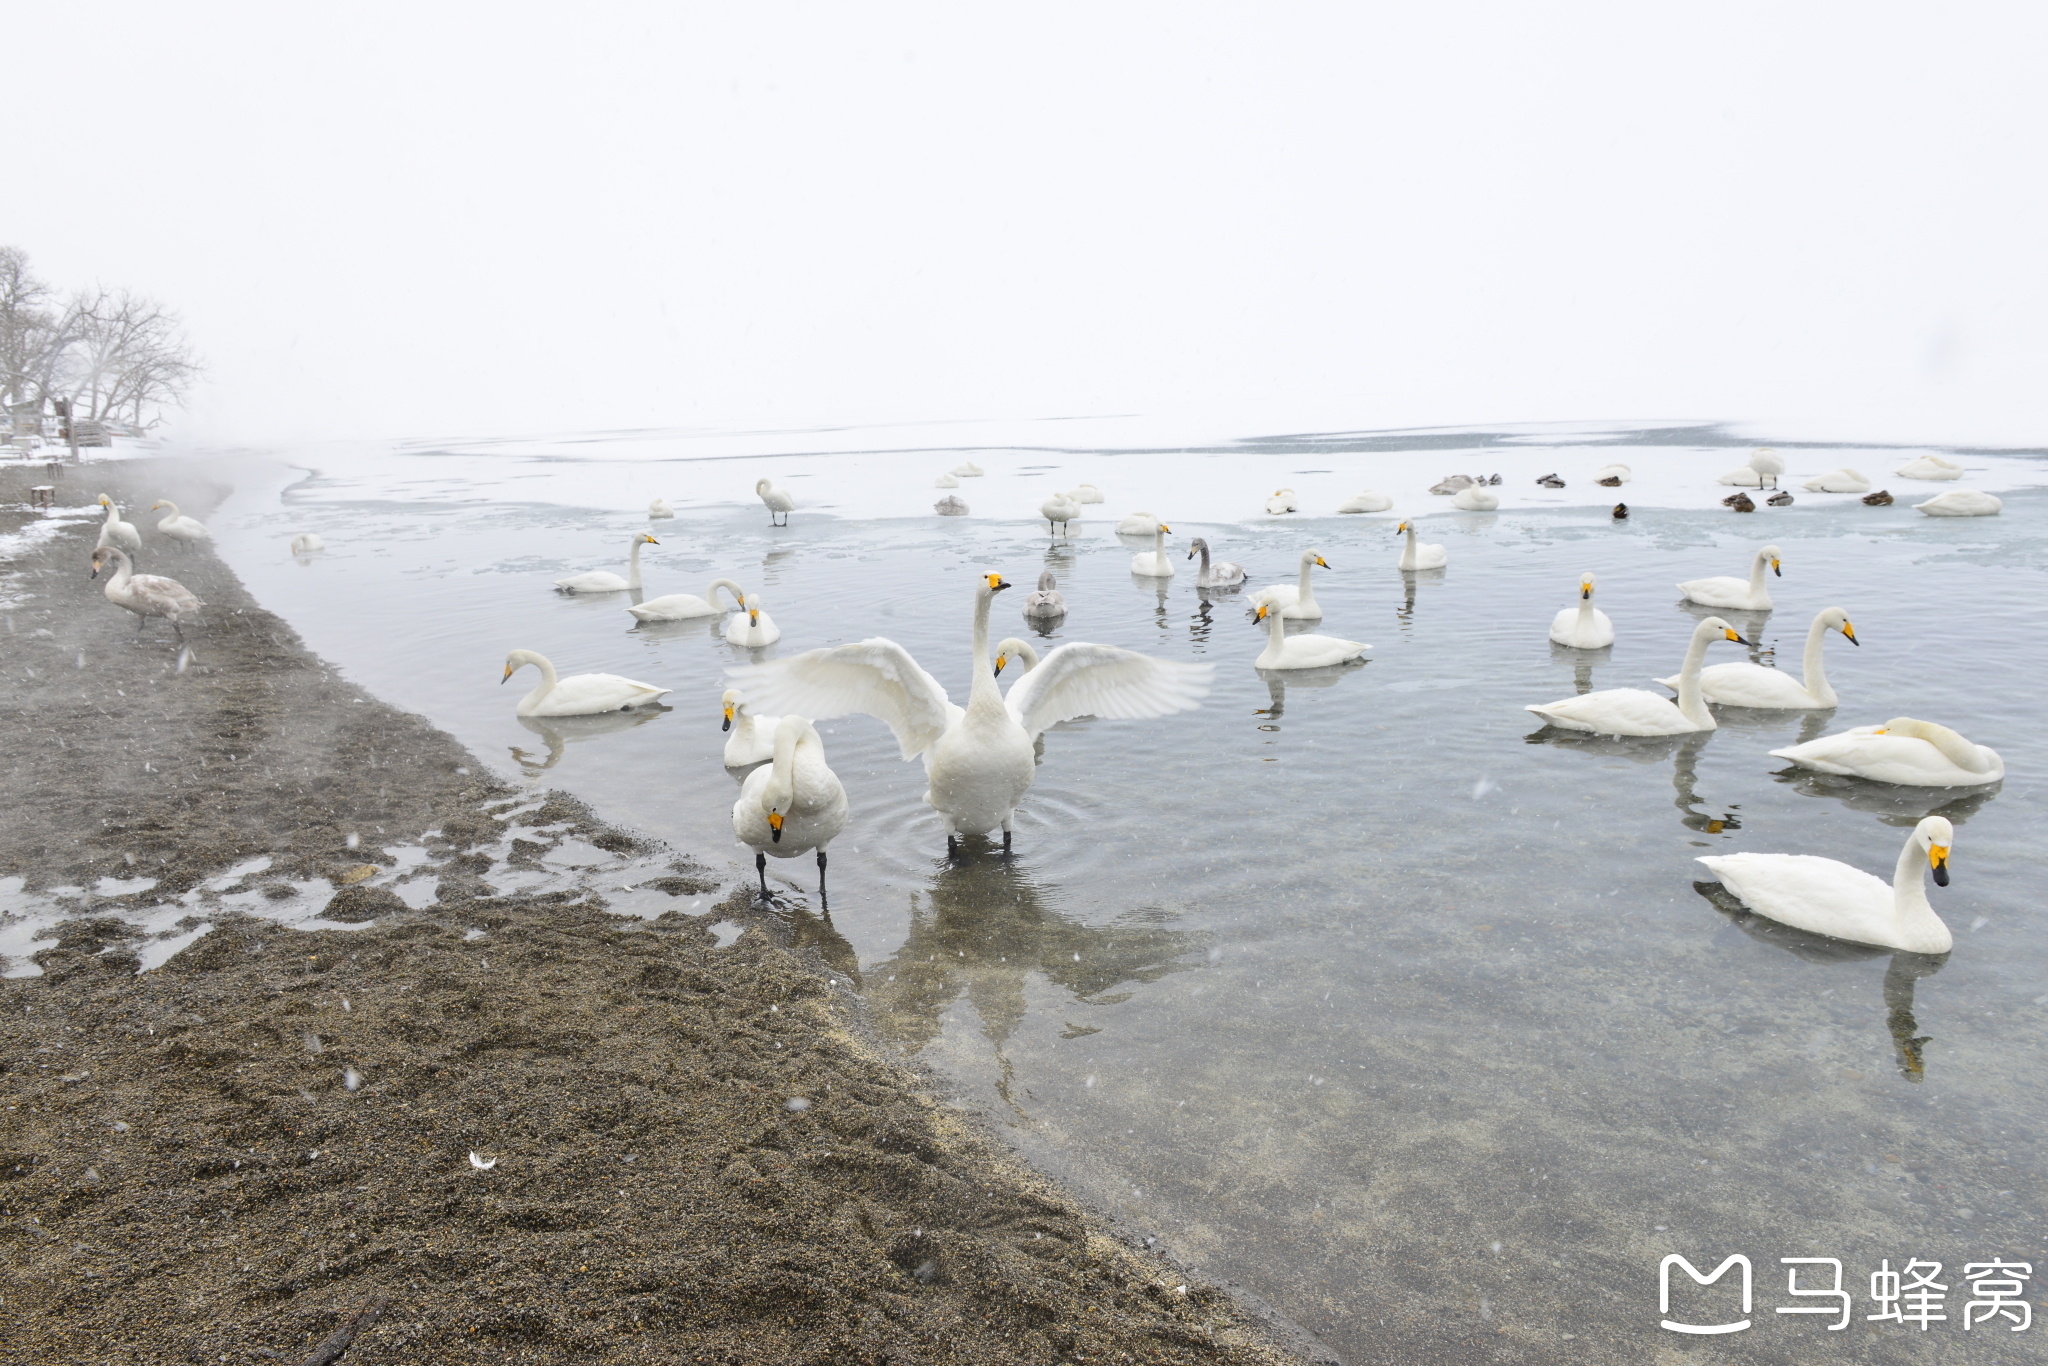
point(1352, 988)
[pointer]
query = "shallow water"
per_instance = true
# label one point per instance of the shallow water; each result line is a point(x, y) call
point(1352, 988)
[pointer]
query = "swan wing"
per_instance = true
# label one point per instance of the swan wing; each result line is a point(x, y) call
point(1617, 711)
point(1276, 595)
point(1819, 895)
point(165, 596)
point(876, 677)
point(1749, 685)
point(1103, 680)
point(596, 581)
point(581, 694)
point(673, 607)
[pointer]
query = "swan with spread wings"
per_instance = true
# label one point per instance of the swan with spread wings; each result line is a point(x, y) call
point(978, 758)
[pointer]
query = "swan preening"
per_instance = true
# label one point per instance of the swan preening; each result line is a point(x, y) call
point(1153, 563)
point(1734, 594)
point(1282, 500)
point(1752, 685)
point(1844, 480)
point(1634, 711)
point(1903, 751)
point(306, 543)
point(1297, 601)
point(1929, 467)
point(780, 504)
point(978, 758)
point(1475, 498)
point(146, 595)
point(1300, 652)
point(750, 739)
point(1137, 524)
point(659, 509)
point(1420, 556)
point(117, 533)
point(180, 528)
point(1584, 627)
point(750, 626)
point(1046, 604)
point(1059, 509)
point(578, 694)
point(684, 606)
point(1217, 574)
point(603, 580)
point(1961, 503)
point(793, 805)
point(1367, 501)
point(1821, 896)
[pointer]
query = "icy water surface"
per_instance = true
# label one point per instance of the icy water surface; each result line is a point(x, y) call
point(1352, 987)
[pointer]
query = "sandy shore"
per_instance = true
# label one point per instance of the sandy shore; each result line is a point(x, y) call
point(689, 1152)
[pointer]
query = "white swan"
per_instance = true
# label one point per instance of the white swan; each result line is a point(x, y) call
point(749, 739)
point(780, 504)
point(1367, 501)
point(578, 694)
point(1475, 498)
point(1220, 573)
point(1614, 471)
point(306, 543)
point(180, 528)
point(1844, 480)
point(1046, 603)
point(1736, 594)
point(791, 806)
point(1012, 650)
point(1929, 467)
point(978, 758)
point(1752, 685)
point(146, 595)
point(684, 606)
point(1137, 524)
point(945, 481)
point(1282, 500)
point(1903, 751)
point(1300, 652)
point(967, 469)
point(1767, 463)
point(117, 533)
point(1087, 493)
point(1153, 563)
point(1634, 711)
point(1061, 508)
point(1420, 556)
point(1298, 600)
point(1584, 627)
point(751, 627)
point(659, 509)
point(1960, 503)
point(603, 580)
point(1821, 896)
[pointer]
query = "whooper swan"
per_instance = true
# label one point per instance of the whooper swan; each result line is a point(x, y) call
point(1634, 711)
point(750, 739)
point(1844, 480)
point(1087, 493)
point(1420, 556)
point(751, 627)
point(1060, 509)
point(1281, 501)
point(117, 533)
point(1733, 593)
point(1216, 574)
point(1297, 601)
point(780, 504)
point(1475, 498)
point(603, 580)
point(1137, 524)
point(1153, 563)
point(684, 606)
point(1584, 627)
point(146, 595)
point(1821, 896)
point(578, 694)
point(1047, 603)
point(1752, 685)
point(180, 528)
point(1300, 652)
point(659, 509)
point(1903, 751)
point(1368, 501)
point(306, 543)
point(1929, 467)
point(791, 806)
point(1961, 503)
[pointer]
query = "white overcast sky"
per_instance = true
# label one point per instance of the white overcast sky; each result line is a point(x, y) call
point(508, 217)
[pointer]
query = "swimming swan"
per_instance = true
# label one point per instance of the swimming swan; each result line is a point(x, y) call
point(684, 606)
point(1903, 751)
point(1153, 563)
point(791, 806)
point(1220, 574)
point(751, 627)
point(780, 504)
point(978, 758)
point(659, 509)
point(180, 528)
point(1821, 896)
point(1635, 711)
point(1420, 556)
point(1929, 467)
point(578, 694)
point(1061, 508)
point(603, 580)
point(1752, 685)
point(1367, 501)
point(1137, 524)
point(1046, 603)
point(306, 543)
point(1584, 627)
point(1844, 480)
point(750, 739)
point(1961, 503)
point(1300, 652)
point(1297, 601)
point(117, 533)
point(1475, 498)
point(146, 595)
point(1732, 593)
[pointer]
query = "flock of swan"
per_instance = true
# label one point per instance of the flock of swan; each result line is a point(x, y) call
point(146, 595)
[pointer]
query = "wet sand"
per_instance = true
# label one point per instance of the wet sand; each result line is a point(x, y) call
point(689, 1152)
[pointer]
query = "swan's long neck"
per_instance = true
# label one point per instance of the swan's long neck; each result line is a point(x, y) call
point(1954, 747)
point(113, 514)
point(1689, 700)
point(172, 506)
point(1205, 559)
point(1585, 621)
point(1816, 674)
point(1307, 595)
point(123, 571)
point(982, 693)
point(739, 594)
point(633, 563)
point(1909, 886)
point(1276, 628)
point(1407, 556)
point(1159, 545)
point(1756, 574)
point(781, 789)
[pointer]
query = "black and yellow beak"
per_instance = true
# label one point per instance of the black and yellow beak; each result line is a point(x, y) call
point(95, 566)
point(1734, 637)
point(728, 717)
point(1323, 562)
point(1401, 528)
point(775, 827)
point(753, 616)
point(1778, 569)
point(650, 540)
point(1850, 631)
point(1937, 859)
point(1165, 528)
point(1000, 661)
point(996, 583)
point(1585, 590)
point(508, 675)
point(1263, 609)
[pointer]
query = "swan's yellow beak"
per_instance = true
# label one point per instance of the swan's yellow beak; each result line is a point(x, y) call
point(1263, 609)
point(1585, 590)
point(1850, 631)
point(1323, 562)
point(650, 540)
point(996, 584)
point(1881, 731)
point(728, 717)
point(1000, 661)
point(104, 500)
point(753, 616)
point(1165, 528)
point(508, 675)
point(1777, 568)
point(1734, 637)
point(154, 506)
point(775, 826)
point(1937, 859)
point(1401, 528)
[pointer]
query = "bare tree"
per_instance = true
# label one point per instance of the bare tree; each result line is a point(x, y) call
point(31, 334)
point(112, 353)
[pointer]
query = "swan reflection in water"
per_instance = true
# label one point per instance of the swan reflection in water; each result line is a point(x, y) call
point(559, 732)
point(1906, 970)
point(1583, 663)
point(1409, 578)
point(984, 928)
point(1682, 750)
point(1749, 625)
point(1278, 681)
point(1905, 807)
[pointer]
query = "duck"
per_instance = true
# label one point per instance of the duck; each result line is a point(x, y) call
point(1741, 502)
point(1059, 509)
point(1619, 512)
point(967, 469)
point(1046, 604)
point(1823, 896)
point(1549, 481)
point(180, 528)
point(578, 694)
point(1882, 498)
point(1584, 627)
point(117, 533)
point(1219, 574)
point(1903, 751)
point(603, 580)
point(945, 481)
point(1780, 499)
point(685, 606)
point(1367, 501)
point(792, 805)
point(659, 508)
point(1636, 711)
point(306, 543)
point(1297, 601)
point(146, 595)
point(750, 627)
point(952, 505)
point(1300, 652)
point(1475, 498)
point(1420, 556)
point(1752, 685)
point(1733, 593)
point(749, 739)
point(777, 499)
point(1960, 503)
point(1137, 524)
point(1768, 464)
point(1619, 473)
point(978, 758)
point(1929, 467)
point(1844, 480)
point(1086, 493)
point(1153, 563)
point(1281, 500)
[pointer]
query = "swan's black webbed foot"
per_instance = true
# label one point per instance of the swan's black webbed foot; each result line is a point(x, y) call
point(761, 869)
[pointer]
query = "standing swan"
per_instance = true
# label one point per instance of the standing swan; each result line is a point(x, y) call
point(750, 739)
point(1821, 896)
point(603, 580)
point(780, 504)
point(751, 627)
point(1903, 751)
point(791, 806)
point(1634, 711)
point(1420, 556)
point(1752, 685)
point(1300, 652)
point(1221, 574)
point(1297, 601)
point(1061, 508)
point(146, 595)
point(1584, 627)
point(117, 533)
point(578, 694)
point(1153, 564)
point(1733, 593)
point(180, 528)
point(978, 758)
point(683, 606)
